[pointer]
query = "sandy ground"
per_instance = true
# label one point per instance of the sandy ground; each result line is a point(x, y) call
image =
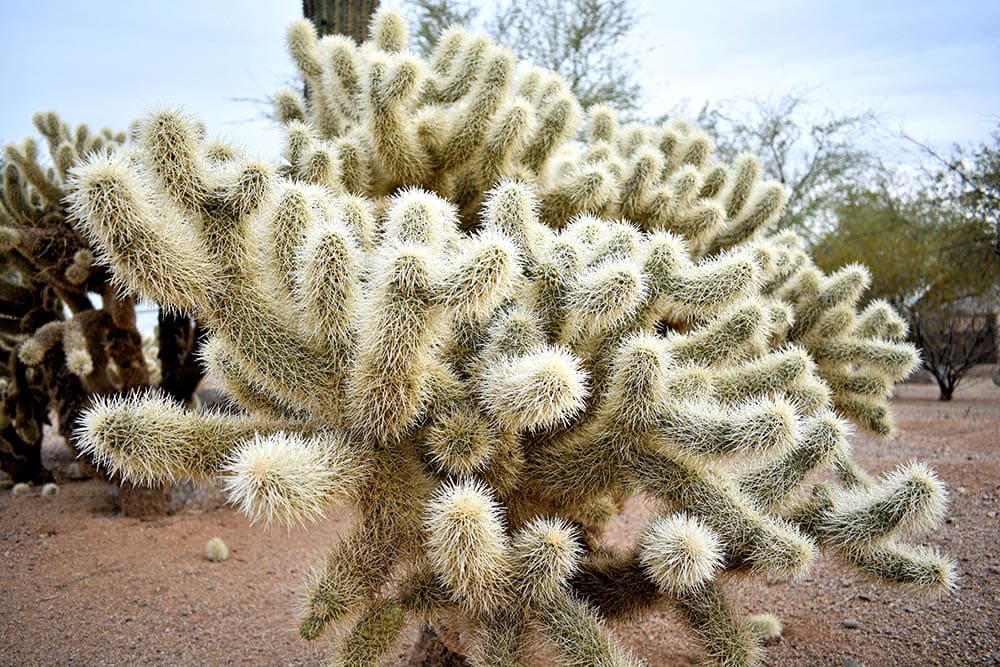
point(80, 585)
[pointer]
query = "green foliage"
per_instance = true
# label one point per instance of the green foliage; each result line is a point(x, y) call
point(873, 229)
point(935, 259)
point(924, 247)
point(483, 330)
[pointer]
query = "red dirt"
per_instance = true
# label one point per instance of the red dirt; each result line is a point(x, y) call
point(83, 586)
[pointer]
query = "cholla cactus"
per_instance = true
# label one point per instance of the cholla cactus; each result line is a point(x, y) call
point(62, 346)
point(48, 269)
point(484, 331)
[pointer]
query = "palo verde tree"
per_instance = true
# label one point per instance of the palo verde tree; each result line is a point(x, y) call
point(934, 262)
point(484, 330)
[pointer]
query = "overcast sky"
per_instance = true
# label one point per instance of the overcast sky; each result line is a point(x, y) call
point(932, 68)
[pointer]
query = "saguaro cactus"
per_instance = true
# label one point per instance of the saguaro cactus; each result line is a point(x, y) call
point(484, 330)
point(340, 17)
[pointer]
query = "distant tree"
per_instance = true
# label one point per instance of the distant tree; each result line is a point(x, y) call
point(818, 156)
point(876, 227)
point(933, 262)
point(979, 172)
point(952, 340)
point(971, 176)
point(585, 41)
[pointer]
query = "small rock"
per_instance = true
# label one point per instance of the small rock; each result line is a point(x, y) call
point(865, 597)
point(991, 515)
point(910, 610)
point(850, 623)
point(851, 662)
point(185, 612)
point(962, 490)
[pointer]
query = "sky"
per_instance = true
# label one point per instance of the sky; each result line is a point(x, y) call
point(929, 68)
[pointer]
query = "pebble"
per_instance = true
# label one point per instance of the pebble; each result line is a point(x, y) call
point(910, 610)
point(851, 662)
point(850, 623)
point(865, 597)
point(991, 515)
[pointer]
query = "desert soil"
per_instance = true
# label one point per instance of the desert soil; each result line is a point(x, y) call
point(81, 585)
